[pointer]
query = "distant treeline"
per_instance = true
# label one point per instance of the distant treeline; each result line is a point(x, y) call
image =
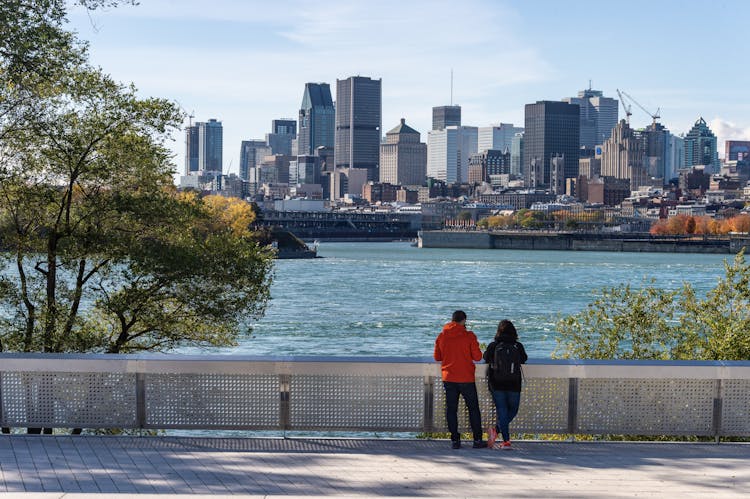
point(688, 224)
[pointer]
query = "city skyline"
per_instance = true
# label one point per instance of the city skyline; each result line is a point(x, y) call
point(246, 64)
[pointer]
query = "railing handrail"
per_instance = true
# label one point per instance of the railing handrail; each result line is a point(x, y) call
point(175, 357)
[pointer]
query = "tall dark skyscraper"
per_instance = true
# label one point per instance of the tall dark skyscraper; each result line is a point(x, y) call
point(316, 119)
point(210, 145)
point(551, 129)
point(358, 124)
point(281, 136)
point(443, 116)
point(191, 149)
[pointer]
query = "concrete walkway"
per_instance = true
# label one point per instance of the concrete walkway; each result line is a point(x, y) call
point(76, 466)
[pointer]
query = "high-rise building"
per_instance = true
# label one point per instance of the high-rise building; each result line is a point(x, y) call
point(448, 152)
point(675, 157)
point(210, 145)
point(316, 119)
point(497, 136)
point(191, 149)
point(551, 130)
point(623, 155)
point(656, 138)
point(516, 153)
point(736, 150)
point(445, 116)
point(403, 158)
point(598, 116)
point(700, 147)
point(281, 136)
point(358, 124)
point(252, 153)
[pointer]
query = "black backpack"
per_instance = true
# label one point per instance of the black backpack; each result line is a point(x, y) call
point(506, 363)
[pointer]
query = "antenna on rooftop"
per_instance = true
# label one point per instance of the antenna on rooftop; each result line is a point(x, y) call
point(451, 86)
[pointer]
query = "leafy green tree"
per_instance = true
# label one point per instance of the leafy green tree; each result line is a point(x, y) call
point(100, 252)
point(654, 323)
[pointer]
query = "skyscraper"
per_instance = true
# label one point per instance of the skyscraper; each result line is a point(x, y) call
point(316, 119)
point(403, 158)
point(210, 145)
point(516, 153)
point(191, 149)
point(281, 136)
point(598, 116)
point(448, 153)
point(700, 147)
point(358, 124)
point(497, 136)
point(656, 138)
point(444, 116)
point(252, 153)
point(623, 155)
point(551, 130)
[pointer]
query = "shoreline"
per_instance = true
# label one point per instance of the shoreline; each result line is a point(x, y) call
point(572, 241)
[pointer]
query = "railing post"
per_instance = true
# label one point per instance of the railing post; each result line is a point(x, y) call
point(429, 404)
point(716, 423)
point(2, 414)
point(572, 405)
point(285, 381)
point(140, 400)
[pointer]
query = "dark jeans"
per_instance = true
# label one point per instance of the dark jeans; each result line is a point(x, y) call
point(469, 392)
point(506, 404)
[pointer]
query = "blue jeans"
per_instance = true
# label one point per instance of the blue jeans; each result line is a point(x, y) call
point(469, 392)
point(506, 404)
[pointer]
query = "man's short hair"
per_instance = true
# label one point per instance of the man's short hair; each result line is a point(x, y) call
point(458, 316)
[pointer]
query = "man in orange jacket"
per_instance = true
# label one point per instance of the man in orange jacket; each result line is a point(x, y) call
point(457, 349)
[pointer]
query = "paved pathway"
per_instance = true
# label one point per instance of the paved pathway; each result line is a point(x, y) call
point(74, 466)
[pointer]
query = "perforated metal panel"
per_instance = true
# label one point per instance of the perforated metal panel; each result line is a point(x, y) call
point(79, 400)
point(212, 400)
point(100, 391)
point(646, 406)
point(735, 412)
point(394, 403)
point(544, 407)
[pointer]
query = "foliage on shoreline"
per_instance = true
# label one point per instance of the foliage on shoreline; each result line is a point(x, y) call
point(703, 225)
point(625, 322)
point(101, 254)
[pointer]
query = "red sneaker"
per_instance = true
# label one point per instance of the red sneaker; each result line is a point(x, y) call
point(492, 432)
point(505, 445)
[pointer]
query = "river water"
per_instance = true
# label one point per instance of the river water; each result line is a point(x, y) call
point(391, 299)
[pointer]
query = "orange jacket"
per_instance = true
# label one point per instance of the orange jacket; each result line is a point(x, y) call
point(456, 349)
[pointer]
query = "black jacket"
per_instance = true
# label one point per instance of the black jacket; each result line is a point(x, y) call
point(511, 385)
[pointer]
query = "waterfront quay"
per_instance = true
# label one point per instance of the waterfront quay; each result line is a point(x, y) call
point(580, 241)
point(77, 466)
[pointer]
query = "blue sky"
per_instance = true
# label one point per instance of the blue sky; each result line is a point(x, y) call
point(246, 62)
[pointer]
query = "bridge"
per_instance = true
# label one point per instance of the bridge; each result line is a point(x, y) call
point(352, 401)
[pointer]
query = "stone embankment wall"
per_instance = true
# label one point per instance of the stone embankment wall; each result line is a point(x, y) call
point(578, 242)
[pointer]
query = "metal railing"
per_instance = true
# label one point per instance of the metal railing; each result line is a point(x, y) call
point(364, 394)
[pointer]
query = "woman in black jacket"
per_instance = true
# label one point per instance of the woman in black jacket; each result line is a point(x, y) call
point(504, 377)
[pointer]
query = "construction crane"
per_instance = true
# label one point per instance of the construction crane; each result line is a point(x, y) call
point(655, 116)
point(190, 115)
point(626, 107)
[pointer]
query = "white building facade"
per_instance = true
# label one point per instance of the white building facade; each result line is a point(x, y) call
point(448, 152)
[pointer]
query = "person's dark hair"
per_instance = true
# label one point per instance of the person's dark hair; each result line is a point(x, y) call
point(458, 316)
point(505, 329)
